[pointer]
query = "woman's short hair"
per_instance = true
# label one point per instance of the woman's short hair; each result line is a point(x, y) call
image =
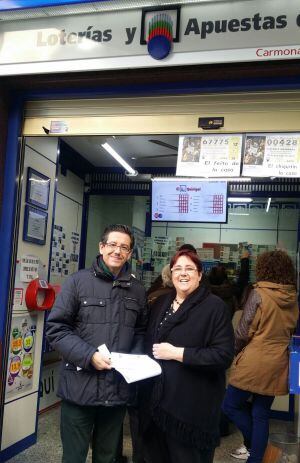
point(276, 267)
point(190, 254)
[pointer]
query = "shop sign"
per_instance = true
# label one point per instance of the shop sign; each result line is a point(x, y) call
point(165, 36)
point(272, 155)
point(209, 155)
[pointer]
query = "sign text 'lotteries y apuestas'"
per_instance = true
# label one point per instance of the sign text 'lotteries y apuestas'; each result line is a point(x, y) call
point(168, 35)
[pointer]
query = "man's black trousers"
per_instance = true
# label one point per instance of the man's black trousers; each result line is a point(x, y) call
point(82, 424)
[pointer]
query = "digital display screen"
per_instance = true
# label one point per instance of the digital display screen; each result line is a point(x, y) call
point(189, 201)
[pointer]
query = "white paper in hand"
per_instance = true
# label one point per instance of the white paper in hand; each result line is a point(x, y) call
point(104, 351)
point(135, 367)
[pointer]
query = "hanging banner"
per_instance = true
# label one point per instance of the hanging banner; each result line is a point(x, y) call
point(209, 155)
point(272, 155)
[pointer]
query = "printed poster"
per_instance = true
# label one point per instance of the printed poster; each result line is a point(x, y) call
point(209, 155)
point(21, 355)
point(272, 155)
point(29, 268)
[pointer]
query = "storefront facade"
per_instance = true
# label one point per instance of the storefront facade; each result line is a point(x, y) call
point(63, 86)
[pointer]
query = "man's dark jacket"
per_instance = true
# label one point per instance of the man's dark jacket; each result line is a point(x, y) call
point(92, 309)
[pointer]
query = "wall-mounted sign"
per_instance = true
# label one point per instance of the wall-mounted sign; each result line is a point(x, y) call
point(272, 155)
point(209, 155)
point(208, 32)
point(29, 268)
point(38, 188)
point(35, 225)
point(58, 127)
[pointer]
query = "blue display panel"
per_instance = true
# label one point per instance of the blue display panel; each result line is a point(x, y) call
point(23, 4)
point(185, 200)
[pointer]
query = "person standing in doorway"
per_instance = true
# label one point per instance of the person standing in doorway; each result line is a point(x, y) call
point(191, 335)
point(101, 305)
point(260, 369)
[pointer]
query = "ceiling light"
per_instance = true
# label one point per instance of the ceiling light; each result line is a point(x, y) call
point(239, 200)
point(203, 179)
point(268, 205)
point(237, 213)
point(117, 157)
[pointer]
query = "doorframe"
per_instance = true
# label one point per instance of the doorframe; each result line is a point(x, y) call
point(12, 187)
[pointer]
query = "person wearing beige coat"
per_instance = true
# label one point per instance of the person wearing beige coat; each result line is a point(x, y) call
point(260, 369)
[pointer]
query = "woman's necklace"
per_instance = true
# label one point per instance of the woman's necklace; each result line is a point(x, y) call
point(178, 304)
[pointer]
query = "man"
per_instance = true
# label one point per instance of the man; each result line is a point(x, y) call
point(101, 305)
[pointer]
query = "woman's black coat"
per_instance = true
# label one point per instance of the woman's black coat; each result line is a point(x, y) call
point(185, 401)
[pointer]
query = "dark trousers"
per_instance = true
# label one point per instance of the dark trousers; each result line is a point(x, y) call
point(161, 448)
point(136, 438)
point(80, 423)
point(253, 422)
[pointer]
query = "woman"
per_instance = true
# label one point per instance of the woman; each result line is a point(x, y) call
point(165, 286)
point(190, 334)
point(260, 370)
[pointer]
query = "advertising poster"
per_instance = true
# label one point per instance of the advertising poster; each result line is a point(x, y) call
point(272, 155)
point(209, 155)
point(21, 355)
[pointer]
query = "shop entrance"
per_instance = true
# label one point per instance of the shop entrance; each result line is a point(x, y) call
point(82, 198)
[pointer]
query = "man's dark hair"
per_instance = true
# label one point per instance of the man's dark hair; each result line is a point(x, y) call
point(118, 227)
point(188, 247)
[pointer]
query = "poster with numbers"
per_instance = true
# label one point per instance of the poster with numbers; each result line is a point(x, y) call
point(209, 155)
point(272, 155)
point(21, 355)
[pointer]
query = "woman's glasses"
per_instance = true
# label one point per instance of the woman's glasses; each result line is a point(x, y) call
point(186, 270)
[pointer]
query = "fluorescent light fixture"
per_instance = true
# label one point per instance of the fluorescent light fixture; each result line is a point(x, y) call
point(202, 179)
point(268, 204)
point(119, 159)
point(237, 213)
point(239, 200)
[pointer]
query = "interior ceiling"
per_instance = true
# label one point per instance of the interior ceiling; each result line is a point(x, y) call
point(138, 151)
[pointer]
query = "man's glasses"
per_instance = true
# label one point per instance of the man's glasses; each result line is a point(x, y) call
point(114, 246)
point(186, 270)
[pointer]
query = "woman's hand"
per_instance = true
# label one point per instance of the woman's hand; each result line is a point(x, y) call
point(166, 351)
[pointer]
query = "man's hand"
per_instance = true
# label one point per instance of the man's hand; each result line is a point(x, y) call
point(100, 362)
point(166, 351)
